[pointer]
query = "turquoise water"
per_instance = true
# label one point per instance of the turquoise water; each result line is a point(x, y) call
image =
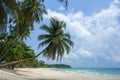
point(100, 71)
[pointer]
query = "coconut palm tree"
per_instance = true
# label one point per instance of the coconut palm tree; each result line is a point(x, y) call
point(56, 41)
point(7, 7)
point(28, 12)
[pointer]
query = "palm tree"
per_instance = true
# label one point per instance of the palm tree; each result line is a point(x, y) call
point(6, 8)
point(56, 42)
point(29, 11)
point(33, 10)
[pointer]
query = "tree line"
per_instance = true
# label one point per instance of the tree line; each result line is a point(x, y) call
point(40, 64)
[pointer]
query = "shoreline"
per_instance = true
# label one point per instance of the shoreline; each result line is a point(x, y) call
point(49, 74)
point(86, 72)
point(90, 73)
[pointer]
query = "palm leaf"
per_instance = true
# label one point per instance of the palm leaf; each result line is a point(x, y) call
point(46, 28)
point(66, 35)
point(45, 42)
point(68, 41)
point(44, 36)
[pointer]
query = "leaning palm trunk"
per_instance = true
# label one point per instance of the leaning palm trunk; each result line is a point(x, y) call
point(19, 61)
point(14, 62)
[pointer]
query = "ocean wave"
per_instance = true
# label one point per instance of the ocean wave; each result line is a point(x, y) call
point(94, 71)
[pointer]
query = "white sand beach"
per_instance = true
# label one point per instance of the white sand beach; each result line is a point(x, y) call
point(47, 74)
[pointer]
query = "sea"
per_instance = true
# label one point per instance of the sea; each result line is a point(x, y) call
point(97, 71)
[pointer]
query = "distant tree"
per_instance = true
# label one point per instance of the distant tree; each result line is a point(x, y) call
point(58, 66)
point(41, 63)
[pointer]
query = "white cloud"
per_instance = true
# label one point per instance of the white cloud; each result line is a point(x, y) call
point(116, 58)
point(55, 14)
point(85, 53)
point(62, 8)
point(72, 20)
point(116, 2)
point(94, 36)
point(71, 56)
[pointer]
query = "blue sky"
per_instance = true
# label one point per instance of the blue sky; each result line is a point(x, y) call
point(94, 26)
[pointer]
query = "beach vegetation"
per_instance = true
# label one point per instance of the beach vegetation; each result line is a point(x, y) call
point(17, 20)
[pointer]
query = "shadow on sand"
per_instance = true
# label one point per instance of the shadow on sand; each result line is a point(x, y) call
point(15, 72)
point(43, 79)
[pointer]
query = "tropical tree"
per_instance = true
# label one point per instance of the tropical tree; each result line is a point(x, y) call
point(56, 41)
point(19, 51)
point(7, 7)
point(28, 12)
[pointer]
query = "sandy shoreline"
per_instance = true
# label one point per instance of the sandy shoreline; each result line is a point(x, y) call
point(47, 74)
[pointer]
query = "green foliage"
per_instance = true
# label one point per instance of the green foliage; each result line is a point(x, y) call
point(6, 7)
point(41, 63)
point(56, 42)
point(57, 66)
point(37, 64)
point(29, 64)
point(21, 17)
point(19, 51)
point(17, 19)
point(22, 14)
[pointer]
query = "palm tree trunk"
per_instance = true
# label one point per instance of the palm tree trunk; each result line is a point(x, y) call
point(14, 62)
point(17, 62)
point(38, 54)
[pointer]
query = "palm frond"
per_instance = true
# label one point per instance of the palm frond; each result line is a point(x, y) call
point(66, 46)
point(45, 42)
point(44, 36)
point(66, 35)
point(68, 41)
point(46, 28)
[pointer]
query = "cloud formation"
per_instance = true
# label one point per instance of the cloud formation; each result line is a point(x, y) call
point(96, 37)
point(62, 8)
